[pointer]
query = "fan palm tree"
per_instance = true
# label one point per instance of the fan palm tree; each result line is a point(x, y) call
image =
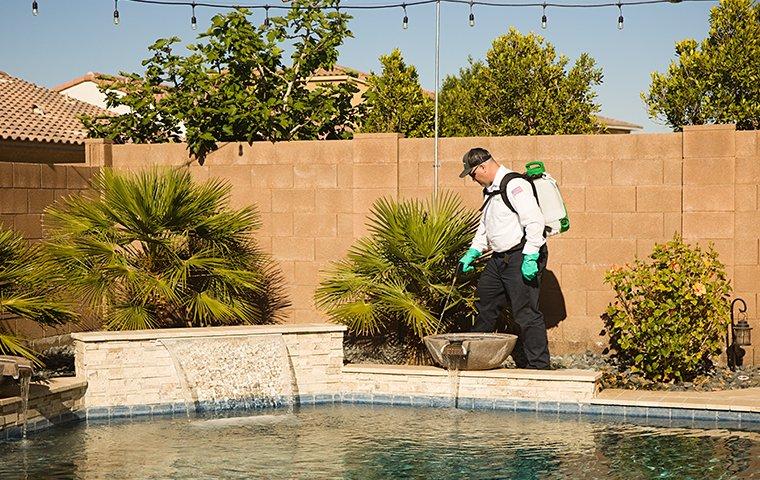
point(395, 283)
point(27, 289)
point(154, 249)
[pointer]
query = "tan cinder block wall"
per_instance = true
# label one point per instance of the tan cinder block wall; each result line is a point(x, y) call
point(26, 189)
point(623, 192)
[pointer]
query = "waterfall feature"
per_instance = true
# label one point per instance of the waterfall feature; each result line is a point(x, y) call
point(233, 372)
point(20, 369)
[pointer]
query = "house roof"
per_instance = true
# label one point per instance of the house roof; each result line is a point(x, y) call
point(32, 113)
point(617, 124)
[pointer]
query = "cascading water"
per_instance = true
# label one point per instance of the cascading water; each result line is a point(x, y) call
point(454, 356)
point(229, 373)
point(24, 382)
point(20, 369)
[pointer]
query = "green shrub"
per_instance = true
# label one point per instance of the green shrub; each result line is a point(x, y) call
point(155, 249)
point(28, 289)
point(393, 284)
point(670, 313)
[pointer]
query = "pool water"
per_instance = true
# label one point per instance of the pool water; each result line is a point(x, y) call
point(372, 442)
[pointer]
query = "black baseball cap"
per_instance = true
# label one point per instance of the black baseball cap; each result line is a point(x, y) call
point(472, 159)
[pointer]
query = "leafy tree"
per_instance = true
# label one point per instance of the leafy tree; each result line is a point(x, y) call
point(27, 289)
point(395, 100)
point(394, 283)
point(236, 85)
point(717, 81)
point(155, 249)
point(521, 89)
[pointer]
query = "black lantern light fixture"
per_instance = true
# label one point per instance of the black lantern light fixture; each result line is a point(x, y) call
point(739, 335)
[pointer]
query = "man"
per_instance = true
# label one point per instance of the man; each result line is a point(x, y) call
point(513, 273)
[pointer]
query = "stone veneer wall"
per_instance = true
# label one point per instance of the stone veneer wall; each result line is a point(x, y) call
point(404, 384)
point(59, 400)
point(125, 370)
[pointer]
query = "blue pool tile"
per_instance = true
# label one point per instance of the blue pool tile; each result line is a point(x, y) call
point(441, 402)
point(465, 403)
point(591, 409)
point(704, 415)
point(402, 400)
point(140, 409)
point(14, 433)
point(658, 412)
point(161, 409)
point(547, 407)
point(723, 416)
point(324, 398)
point(120, 411)
point(563, 407)
point(613, 411)
point(682, 413)
point(525, 406)
point(504, 404)
point(363, 398)
point(97, 412)
point(636, 412)
point(179, 407)
point(382, 399)
point(482, 403)
point(750, 417)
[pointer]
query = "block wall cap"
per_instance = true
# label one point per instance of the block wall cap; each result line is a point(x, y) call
point(243, 330)
point(564, 375)
point(722, 126)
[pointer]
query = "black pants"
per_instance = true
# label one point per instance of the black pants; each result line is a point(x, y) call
point(502, 282)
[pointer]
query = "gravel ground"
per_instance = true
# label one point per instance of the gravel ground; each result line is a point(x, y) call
point(721, 378)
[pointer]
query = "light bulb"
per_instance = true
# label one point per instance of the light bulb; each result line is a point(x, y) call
point(620, 22)
point(35, 10)
point(472, 19)
point(543, 22)
point(193, 20)
point(405, 22)
point(115, 12)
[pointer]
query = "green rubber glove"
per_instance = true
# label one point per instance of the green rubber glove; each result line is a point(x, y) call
point(529, 266)
point(469, 257)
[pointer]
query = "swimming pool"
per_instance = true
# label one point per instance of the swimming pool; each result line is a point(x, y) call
point(378, 442)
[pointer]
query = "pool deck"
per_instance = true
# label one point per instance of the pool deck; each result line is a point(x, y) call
point(739, 400)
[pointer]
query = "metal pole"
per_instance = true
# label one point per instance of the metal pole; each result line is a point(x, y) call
point(436, 165)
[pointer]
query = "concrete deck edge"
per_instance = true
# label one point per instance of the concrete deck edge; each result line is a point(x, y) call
point(197, 332)
point(563, 375)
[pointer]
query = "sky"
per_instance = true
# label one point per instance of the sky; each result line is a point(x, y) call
point(72, 37)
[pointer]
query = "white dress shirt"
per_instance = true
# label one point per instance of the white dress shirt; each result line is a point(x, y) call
point(500, 228)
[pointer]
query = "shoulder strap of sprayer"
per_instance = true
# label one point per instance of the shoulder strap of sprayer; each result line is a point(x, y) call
point(503, 191)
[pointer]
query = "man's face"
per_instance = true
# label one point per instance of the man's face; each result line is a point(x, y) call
point(478, 174)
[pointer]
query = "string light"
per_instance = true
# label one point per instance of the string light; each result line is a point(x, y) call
point(266, 15)
point(620, 18)
point(543, 18)
point(405, 22)
point(193, 20)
